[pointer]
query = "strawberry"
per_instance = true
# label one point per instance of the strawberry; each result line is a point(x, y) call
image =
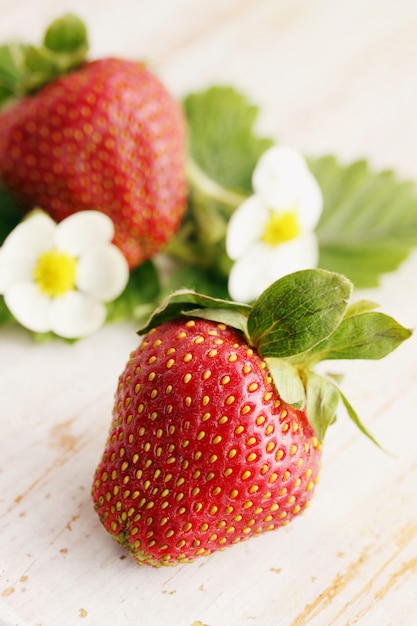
point(219, 419)
point(206, 455)
point(105, 136)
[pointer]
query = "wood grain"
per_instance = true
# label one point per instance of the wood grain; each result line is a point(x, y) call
point(330, 76)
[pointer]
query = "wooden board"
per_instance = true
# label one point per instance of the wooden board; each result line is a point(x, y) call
point(330, 76)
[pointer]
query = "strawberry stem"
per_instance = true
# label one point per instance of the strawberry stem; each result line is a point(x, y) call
point(207, 187)
point(200, 240)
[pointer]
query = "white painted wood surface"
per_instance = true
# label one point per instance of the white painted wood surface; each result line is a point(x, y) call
point(330, 76)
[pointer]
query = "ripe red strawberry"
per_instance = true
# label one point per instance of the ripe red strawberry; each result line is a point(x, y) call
point(107, 136)
point(203, 451)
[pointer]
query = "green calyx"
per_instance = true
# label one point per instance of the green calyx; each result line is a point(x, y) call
point(26, 68)
point(301, 319)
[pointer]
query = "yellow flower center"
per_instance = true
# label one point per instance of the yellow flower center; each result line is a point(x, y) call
point(281, 227)
point(55, 273)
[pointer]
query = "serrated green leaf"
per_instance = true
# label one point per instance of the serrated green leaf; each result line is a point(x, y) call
point(184, 301)
point(367, 335)
point(369, 220)
point(287, 381)
point(363, 262)
point(321, 404)
point(297, 312)
point(222, 140)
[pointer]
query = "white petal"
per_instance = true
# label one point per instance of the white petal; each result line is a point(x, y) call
point(309, 203)
point(284, 182)
point(80, 231)
point(29, 306)
point(277, 175)
point(103, 272)
point(15, 269)
point(249, 276)
point(76, 315)
point(263, 265)
point(31, 237)
point(246, 227)
point(22, 247)
point(299, 254)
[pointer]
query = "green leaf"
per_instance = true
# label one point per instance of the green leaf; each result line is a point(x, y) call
point(367, 335)
point(66, 34)
point(139, 297)
point(369, 220)
point(231, 317)
point(196, 279)
point(10, 216)
point(187, 302)
point(5, 316)
point(361, 306)
point(12, 71)
point(223, 152)
point(322, 401)
point(26, 68)
point(287, 381)
point(297, 312)
point(222, 140)
point(41, 66)
point(363, 262)
point(355, 419)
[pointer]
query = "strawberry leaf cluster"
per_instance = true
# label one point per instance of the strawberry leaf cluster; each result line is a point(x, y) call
point(369, 220)
point(26, 68)
point(300, 320)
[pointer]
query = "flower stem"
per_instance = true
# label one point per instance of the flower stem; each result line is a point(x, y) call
point(199, 241)
point(206, 186)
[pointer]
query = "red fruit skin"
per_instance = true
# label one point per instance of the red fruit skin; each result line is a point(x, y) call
point(202, 453)
point(108, 137)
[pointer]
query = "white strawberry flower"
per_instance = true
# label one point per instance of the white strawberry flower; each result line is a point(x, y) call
point(57, 277)
point(271, 234)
